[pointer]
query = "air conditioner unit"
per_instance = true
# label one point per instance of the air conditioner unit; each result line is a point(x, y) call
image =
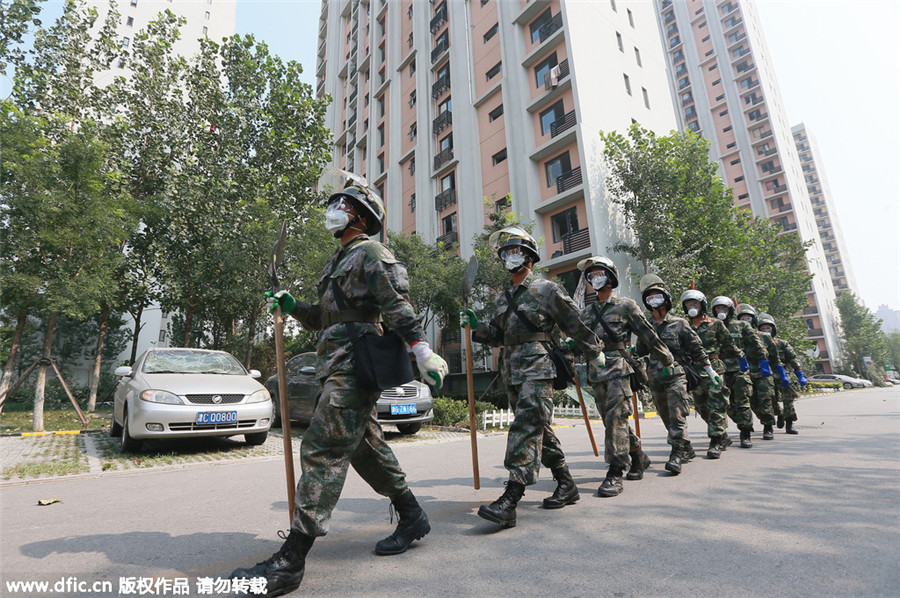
point(551, 81)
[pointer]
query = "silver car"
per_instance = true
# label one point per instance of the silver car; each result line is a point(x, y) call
point(182, 393)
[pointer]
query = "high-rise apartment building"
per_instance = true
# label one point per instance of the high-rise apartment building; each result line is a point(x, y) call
point(453, 109)
point(836, 254)
point(724, 88)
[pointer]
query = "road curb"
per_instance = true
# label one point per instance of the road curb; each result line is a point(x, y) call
point(52, 433)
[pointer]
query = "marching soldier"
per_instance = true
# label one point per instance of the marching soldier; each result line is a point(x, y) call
point(763, 390)
point(614, 319)
point(668, 386)
point(525, 316)
point(787, 415)
point(711, 396)
point(365, 277)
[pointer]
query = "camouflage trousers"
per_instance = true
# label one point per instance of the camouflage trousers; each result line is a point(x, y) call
point(343, 432)
point(762, 398)
point(613, 398)
point(786, 396)
point(673, 406)
point(531, 441)
point(712, 405)
point(739, 400)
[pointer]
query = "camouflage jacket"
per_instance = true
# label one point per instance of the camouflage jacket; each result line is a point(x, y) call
point(682, 342)
point(771, 354)
point(717, 342)
point(546, 305)
point(745, 339)
point(787, 355)
point(371, 280)
point(624, 318)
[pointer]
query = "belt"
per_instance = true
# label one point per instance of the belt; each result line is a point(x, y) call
point(330, 318)
point(510, 340)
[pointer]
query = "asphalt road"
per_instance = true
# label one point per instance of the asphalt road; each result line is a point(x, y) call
point(816, 514)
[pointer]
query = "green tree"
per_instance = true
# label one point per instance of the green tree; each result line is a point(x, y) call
point(862, 336)
point(17, 17)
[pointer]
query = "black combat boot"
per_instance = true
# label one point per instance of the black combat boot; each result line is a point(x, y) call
point(566, 492)
point(612, 485)
point(789, 428)
point(639, 462)
point(503, 510)
point(412, 525)
point(724, 441)
point(674, 463)
point(768, 433)
point(284, 569)
point(714, 451)
point(745, 439)
point(687, 452)
point(780, 421)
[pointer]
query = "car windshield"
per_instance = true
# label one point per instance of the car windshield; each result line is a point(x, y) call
point(186, 361)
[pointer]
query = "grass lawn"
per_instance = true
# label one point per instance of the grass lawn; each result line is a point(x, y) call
point(14, 420)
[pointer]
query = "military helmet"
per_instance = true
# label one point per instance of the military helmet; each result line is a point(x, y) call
point(694, 294)
point(765, 318)
point(367, 203)
point(514, 236)
point(652, 282)
point(600, 261)
point(747, 309)
point(722, 300)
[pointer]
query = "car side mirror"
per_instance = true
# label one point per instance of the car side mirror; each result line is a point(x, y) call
point(255, 374)
point(123, 371)
point(308, 370)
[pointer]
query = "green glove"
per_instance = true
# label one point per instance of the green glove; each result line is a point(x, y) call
point(570, 343)
point(666, 372)
point(281, 298)
point(468, 317)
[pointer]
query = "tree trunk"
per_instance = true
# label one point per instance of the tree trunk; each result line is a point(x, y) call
point(251, 332)
point(98, 358)
point(38, 418)
point(136, 335)
point(188, 324)
point(13, 353)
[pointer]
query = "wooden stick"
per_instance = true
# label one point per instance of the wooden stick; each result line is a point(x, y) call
point(587, 420)
point(285, 412)
point(470, 383)
point(637, 419)
point(84, 420)
point(19, 381)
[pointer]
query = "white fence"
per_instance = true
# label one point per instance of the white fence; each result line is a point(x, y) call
point(503, 417)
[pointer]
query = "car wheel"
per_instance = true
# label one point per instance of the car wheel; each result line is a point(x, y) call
point(115, 430)
point(847, 385)
point(409, 428)
point(127, 443)
point(256, 439)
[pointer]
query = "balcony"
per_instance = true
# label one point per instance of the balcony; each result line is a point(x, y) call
point(666, 4)
point(576, 241)
point(443, 157)
point(755, 118)
point(790, 226)
point(561, 124)
point(444, 120)
point(439, 19)
point(767, 153)
point(782, 209)
point(550, 27)
point(822, 355)
point(569, 179)
point(448, 238)
point(444, 199)
point(440, 86)
point(813, 332)
point(442, 46)
point(810, 310)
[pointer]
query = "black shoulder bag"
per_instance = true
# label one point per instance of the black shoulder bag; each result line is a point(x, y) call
point(563, 361)
point(380, 361)
point(639, 378)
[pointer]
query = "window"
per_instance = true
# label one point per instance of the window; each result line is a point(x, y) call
point(444, 71)
point(409, 13)
point(646, 97)
point(690, 112)
point(743, 197)
point(381, 136)
point(723, 112)
point(206, 16)
point(380, 107)
point(495, 113)
point(537, 24)
point(713, 67)
point(543, 68)
point(130, 22)
point(412, 68)
point(445, 106)
point(739, 179)
point(413, 130)
point(412, 98)
point(499, 157)
point(162, 336)
point(671, 30)
point(409, 40)
point(627, 84)
point(637, 57)
point(494, 71)
point(134, 2)
point(381, 163)
point(630, 17)
point(205, 30)
point(491, 32)
point(551, 115)
point(448, 224)
point(412, 167)
point(446, 143)
point(683, 82)
point(738, 161)
point(556, 167)
point(448, 182)
point(619, 42)
point(125, 42)
point(564, 223)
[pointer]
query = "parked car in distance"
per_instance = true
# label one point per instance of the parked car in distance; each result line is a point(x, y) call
point(845, 381)
point(407, 406)
point(183, 393)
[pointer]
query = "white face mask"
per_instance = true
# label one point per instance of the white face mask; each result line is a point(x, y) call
point(655, 301)
point(514, 261)
point(598, 281)
point(336, 220)
point(693, 312)
point(748, 319)
point(722, 315)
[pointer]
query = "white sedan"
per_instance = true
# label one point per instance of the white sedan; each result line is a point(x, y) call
point(181, 393)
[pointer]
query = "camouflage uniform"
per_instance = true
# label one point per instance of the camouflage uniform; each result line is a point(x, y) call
point(528, 371)
point(712, 401)
point(764, 387)
point(670, 394)
point(343, 430)
point(612, 384)
point(787, 395)
point(747, 342)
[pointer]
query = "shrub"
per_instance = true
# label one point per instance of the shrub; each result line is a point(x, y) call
point(818, 386)
point(453, 413)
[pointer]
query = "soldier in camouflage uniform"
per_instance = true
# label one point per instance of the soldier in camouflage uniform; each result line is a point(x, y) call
point(786, 415)
point(526, 334)
point(343, 430)
point(669, 388)
point(614, 320)
point(763, 386)
point(711, 396)
point(737, 365)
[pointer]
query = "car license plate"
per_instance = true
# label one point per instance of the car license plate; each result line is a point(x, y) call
point(216, 417)
point(409, 409)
